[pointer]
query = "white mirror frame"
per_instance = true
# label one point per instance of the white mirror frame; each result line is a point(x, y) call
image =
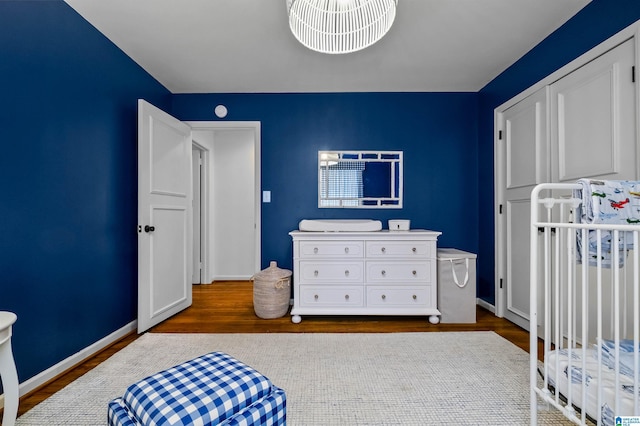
point(358, 201)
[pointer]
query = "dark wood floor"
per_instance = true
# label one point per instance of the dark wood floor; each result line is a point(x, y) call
point(227, 307)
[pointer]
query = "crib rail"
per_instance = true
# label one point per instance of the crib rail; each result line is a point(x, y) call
point(584, 304)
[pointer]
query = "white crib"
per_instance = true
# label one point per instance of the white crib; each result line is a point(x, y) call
point(587, 313)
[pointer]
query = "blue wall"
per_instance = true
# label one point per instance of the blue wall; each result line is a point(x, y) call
point(68, 167)
point(68, 132)
point(436, 131)
point(598, 21)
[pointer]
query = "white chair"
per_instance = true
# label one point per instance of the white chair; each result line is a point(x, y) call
point(8, 369)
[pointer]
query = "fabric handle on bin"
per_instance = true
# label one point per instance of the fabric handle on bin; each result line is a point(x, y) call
point(455, 276)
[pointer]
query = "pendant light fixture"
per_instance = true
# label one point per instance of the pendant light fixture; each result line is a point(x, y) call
point(340, 26)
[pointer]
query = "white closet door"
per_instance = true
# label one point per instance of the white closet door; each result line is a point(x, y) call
point(524, 152)
point(593, 119)
point(594, 129)
point(591, 132)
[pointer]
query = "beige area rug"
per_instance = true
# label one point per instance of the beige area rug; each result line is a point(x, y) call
point(470, 378)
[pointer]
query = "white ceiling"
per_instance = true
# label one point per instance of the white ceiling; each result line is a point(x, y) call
point(245, 46)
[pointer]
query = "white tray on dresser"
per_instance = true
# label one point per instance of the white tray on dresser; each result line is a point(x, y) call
point(365, 273)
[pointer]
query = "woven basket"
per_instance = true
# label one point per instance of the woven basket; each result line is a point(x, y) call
point(271, 292)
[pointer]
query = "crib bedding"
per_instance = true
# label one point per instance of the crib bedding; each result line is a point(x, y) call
point(613, 202)
point(626, 356)
point(558, 361)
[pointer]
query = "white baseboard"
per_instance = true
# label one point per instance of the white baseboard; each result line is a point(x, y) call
point(483, 303)
point(64, 365)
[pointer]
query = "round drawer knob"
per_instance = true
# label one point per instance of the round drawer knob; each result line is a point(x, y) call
point(315, 273)
point(415, 297)
point(315, 297)
point(414, 273)
point(383, 249)
point(315, 250)
point(346, 249)
point(414, 250)
point(346, 297)
point(346, 273)
point(384, 297)
point(383, 272)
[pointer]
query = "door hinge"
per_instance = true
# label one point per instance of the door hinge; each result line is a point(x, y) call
point(500, 135)
point(500, 282)
point(633, 74)
point(541, 230)
point(500, 209)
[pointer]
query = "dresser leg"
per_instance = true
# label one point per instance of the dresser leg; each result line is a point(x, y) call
point(296, 319)
point(434, 319)
point(9, 383)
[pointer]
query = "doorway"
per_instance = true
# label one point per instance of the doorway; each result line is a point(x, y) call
point(229, 228)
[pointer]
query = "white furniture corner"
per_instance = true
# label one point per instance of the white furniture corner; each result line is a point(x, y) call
point(365, 273)
point(8, 371)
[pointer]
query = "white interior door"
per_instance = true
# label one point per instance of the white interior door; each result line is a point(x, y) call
point(525, 164)
point(164, 216)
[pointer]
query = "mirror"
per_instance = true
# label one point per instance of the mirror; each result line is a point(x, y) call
point(360, 179)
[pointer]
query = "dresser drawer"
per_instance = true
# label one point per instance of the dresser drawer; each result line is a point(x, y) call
point(405, 272)
point(417, 249)
point(342, 296)
point(380, 296)
point(340, 249)
point(339, 272)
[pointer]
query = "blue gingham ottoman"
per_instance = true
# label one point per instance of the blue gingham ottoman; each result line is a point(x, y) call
point(214, 389)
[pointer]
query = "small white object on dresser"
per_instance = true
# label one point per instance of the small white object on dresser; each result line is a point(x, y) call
point(365, 273)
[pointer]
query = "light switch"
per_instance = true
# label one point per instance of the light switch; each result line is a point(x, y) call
point(266, 196)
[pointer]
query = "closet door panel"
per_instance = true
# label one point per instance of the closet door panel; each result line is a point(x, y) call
point(522, 132)
point(593, 127)
point(587, 149)
point(517, 279)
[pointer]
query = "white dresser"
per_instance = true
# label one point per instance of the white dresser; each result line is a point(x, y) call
point(365, 273)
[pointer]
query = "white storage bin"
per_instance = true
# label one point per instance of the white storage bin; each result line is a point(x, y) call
point(456, 286)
